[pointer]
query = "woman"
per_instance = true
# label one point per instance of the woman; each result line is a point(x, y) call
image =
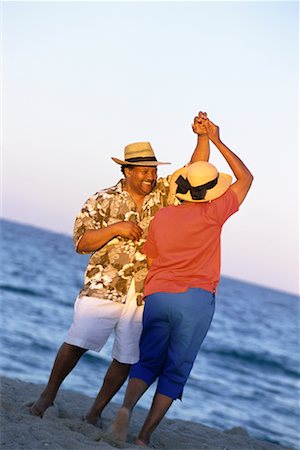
point(183, 249)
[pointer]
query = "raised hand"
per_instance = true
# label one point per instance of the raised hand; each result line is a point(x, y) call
point(212, 130)
point(199, 123)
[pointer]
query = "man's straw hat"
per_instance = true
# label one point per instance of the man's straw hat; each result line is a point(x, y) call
point(200, 182)
point(139, 154)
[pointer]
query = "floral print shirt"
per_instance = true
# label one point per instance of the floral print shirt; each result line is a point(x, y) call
point(112, 268)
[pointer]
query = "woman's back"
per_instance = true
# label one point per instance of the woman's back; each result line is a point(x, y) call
point(184, 242)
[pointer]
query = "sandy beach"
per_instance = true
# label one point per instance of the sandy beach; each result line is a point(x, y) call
point(62, 426)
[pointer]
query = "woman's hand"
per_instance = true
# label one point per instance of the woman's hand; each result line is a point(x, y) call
point(213, 131)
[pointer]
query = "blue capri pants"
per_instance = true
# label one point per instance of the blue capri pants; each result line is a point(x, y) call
point(174, 327)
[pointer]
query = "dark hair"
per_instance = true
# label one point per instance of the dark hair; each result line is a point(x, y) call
point(127, 166)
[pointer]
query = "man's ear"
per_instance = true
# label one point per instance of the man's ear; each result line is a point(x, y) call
point(127, 172)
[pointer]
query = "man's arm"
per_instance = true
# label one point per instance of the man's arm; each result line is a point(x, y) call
point(201, 153)
point(202, 150)
point(93, 240)
point(243, 175)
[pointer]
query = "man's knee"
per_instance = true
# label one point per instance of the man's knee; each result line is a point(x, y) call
point(72, 350)
point(117, 370)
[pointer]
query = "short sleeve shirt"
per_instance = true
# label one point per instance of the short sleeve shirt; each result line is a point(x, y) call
point(184, 242)
point(112, 268)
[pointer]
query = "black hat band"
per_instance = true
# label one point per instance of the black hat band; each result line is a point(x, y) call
point(197, 192)
point(141, 159)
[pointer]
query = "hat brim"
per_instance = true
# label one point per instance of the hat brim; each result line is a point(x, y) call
point(224, 182)
point(139, 163)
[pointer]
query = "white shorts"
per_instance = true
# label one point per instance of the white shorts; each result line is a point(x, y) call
point(95, 319)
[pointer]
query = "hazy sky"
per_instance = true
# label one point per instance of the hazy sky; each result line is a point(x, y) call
point(80, 80)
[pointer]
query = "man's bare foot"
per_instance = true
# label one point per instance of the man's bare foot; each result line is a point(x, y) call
point(38, 407)
point(120, 425)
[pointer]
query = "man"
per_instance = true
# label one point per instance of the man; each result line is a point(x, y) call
point(113, 225)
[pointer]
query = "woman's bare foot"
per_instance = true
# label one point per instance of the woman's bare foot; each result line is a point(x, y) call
point(120, 425)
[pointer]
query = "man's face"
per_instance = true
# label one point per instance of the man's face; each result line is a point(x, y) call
point(141, 179)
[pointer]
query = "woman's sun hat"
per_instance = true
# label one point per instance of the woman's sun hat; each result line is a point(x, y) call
point(139, 154)
point(199, 182)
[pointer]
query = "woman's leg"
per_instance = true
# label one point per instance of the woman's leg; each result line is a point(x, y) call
point(154, 340)
point(192, 312)
point(160, 405)
point(153, 349)
point(135, 389)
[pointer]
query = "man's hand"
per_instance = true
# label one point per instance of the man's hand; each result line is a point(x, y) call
point(93, 240)
point(140, 300)
point(199, 124)
point(202, 150)
point(128, 230)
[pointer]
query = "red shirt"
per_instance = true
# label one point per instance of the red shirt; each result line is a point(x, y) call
point(184, 242)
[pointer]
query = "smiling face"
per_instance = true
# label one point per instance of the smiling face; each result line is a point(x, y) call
point(140, 180)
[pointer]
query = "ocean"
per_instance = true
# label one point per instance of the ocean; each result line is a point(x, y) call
point(246, 373)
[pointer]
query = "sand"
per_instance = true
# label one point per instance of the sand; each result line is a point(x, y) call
point(63, 427)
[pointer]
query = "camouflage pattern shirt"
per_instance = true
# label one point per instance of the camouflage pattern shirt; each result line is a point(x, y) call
point(112, 268)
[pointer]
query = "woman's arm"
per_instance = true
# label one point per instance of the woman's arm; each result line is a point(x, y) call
point(243, 175)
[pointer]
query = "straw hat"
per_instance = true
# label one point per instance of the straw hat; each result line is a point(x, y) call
point(200, 182)
point(139, 154)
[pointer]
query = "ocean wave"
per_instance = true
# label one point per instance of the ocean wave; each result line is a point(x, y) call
point(20, 290)
point(262, 360)
point(93, 357)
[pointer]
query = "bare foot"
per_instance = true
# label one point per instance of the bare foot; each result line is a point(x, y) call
point(38, 407)
point(93, 420)
point(120, 425)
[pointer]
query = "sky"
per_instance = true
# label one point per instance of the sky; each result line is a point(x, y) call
point(80, 80)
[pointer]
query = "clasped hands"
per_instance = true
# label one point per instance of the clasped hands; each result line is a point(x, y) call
point(205, 127)
point(199, 124)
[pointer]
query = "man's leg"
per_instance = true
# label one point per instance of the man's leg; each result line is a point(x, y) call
point(114, 379)
point(66, 359)
point(134, 391)
point(126, 349)
point(160, 405)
